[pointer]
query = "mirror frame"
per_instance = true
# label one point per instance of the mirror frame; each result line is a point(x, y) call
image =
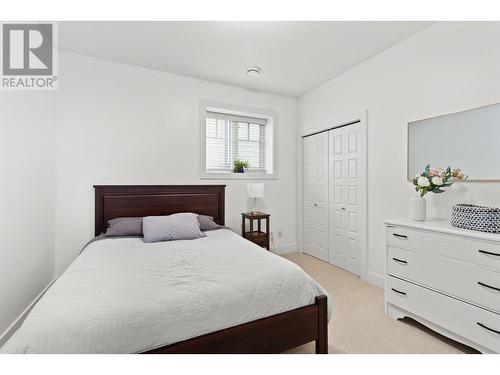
point(407, 129)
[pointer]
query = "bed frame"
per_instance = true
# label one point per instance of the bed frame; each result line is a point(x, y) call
point(273, 334)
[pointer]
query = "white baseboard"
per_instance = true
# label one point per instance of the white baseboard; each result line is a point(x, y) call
point(20, 319)
point(375, 279)
point(285, 249)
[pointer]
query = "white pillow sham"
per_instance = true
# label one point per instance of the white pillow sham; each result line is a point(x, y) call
point(182, 226)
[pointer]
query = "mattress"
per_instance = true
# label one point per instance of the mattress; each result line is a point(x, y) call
point(125, 296)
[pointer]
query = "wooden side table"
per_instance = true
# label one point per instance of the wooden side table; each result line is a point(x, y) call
point(258, 236)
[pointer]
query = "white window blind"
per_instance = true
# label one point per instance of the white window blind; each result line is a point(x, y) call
point(230, 137)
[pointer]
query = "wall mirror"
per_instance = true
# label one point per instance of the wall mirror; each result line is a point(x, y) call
point(469, 140)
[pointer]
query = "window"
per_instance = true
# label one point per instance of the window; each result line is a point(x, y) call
point(231, 136)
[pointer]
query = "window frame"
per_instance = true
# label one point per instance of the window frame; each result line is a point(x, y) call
point(232, 137)
point(270, 140)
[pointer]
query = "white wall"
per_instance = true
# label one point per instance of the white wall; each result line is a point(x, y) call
point(26, 200)
point(445, 68)
point(123, 124)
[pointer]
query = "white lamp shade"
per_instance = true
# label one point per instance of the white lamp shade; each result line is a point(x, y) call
point(255, 190)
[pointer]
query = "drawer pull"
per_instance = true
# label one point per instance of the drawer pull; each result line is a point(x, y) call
point(489, 253)
point(488, 286)
point(400, 260)
point(400, 236)
point(400, 292)
point(488, 328)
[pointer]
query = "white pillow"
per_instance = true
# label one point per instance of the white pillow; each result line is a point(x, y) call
point(183, 226)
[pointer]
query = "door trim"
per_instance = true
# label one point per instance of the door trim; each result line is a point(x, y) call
point(360, 117)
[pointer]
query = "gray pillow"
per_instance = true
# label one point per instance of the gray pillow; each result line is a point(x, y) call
point(183, 226)
point(208, 223)
point(124, 226)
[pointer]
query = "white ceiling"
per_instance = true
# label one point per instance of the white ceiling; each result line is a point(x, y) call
point(294, 56)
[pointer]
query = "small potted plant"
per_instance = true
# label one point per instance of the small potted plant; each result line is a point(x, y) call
point(431, 180)
point(240, 165)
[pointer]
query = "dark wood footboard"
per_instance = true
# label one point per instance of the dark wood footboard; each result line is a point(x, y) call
point(274, 334)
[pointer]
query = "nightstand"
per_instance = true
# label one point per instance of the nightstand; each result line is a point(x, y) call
point(258, 236)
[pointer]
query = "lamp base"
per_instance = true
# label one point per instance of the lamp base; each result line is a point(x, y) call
point(254, 207)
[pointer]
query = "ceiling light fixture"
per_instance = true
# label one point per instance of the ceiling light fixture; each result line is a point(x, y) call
point(253, 72)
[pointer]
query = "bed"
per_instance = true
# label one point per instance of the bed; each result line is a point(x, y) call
point(217, 294)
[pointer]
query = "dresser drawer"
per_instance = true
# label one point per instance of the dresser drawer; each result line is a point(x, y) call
point(459, 247)
point(471, 322)
point(463, 280)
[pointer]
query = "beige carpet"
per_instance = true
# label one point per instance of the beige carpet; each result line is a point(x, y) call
point(359, 325)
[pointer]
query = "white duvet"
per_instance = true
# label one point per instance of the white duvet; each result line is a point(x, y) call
point(126, 296)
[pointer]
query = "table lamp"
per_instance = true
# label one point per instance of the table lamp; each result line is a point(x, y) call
point(255, 190)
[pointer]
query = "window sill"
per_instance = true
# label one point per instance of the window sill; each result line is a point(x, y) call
point(238, 176)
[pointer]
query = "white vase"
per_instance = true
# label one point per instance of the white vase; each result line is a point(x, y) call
point(417, 208)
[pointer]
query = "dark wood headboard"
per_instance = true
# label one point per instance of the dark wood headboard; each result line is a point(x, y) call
point(113, 201)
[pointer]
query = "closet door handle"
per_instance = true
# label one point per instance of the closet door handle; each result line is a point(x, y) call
point(400, 260)
point(398, 291)
point(488, 328)
point(488, 286)
point(489, 253)
point(400, 236)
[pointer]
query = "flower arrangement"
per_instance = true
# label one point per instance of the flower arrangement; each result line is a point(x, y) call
point(435, 179)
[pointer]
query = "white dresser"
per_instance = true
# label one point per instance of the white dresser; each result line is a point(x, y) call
point(446, 278)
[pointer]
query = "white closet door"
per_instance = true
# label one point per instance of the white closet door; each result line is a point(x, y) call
point(316, 195)
point(337, 193)
point(346, 186)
